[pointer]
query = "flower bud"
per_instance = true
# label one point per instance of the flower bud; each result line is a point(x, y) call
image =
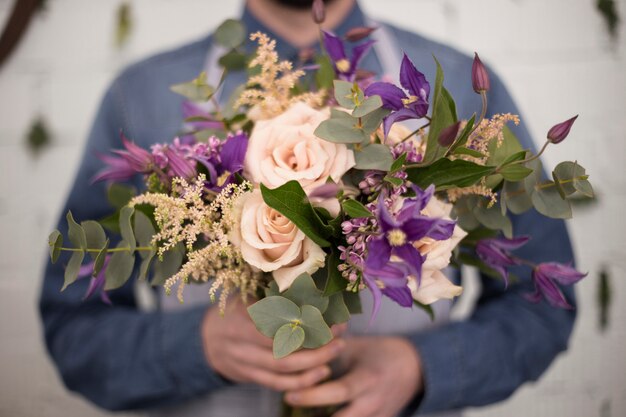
point(560, 131)
point(448, 135)
point(480, 76)
point(319, 11)
point(359, 33)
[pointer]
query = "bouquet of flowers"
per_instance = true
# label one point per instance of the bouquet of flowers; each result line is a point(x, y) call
point(306, 189)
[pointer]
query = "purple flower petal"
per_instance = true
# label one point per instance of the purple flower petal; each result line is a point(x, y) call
point(563, 274)
point(178, 165)
point(118, 169)
point(358, 53)
point(559, 132)
point(334, 46)
point(390, 94)
point(549, 290)
point(401, 295)
point(379, 252)
point(398, 116)
point(412, 258)
point(413, 80)
point(442, 229)
point(234, 152)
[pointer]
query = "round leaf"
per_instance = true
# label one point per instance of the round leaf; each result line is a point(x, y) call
point(288, 339)
point(317, 333)
point(304, 291)
point(270, 313)
point(94, 233)
point(119, 269)
point(230, 34)
point(55, 241)
point(72, 268)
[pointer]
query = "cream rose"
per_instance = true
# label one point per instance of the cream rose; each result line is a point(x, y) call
point(434, 284)
point(272, 243)
point(284, 148)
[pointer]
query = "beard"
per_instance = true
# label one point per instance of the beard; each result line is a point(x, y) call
point(299, 4)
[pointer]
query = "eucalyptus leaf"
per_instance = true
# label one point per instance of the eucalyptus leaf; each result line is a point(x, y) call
point(463, 210)
point(55, 241)
point(344, 94)
point(94, 235)
point(119, 195)
point(126, 228)
point(368, 106)
point(341, 130)
point(303, 291)
point(355, 209)
point(371, 122)
point(548, 202)
point(515, 197)
point(144, 231)
point(233, 61)
point(291, 201)
point(72, 268)
point(375, 156)
point(230, 34)
point(288, 339)
point(445, 173)
point(168, 266)
point(272, 289)
point(353, 302)
point(317, 333)
point(271, 313)
point(75, 232)
point(120, 268)
point(98, 262)
point(494, 219)
point(195, 90)
point(337, 311)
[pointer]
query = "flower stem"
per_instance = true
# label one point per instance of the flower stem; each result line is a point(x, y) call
point(139, 248)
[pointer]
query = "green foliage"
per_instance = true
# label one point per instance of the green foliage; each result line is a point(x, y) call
point(346, 94)
point(335, 282)
point(119, 195)
point(195, 90)
point(325, 75)
point(516, 172)
point(461, 150)
point(271, 313)
point(570, 178)
point(426, 308)
point(465, 134)
point(291, 201)
point(95, 236)
point(493, 218)
point(371, 122)
point(233, 61)
point(144, 230)
point(337, 311)
point(100, 258)
point(355, 209)
point(514, 197)
point(303, 291)
point(126, 229)
point(120, 267)
point(168, 266)
point(443, 115)
point(72, 268)
point(367, 106)
point(317, 332)
point(230, 34)
point(353, 302)
point(288, 338)
point(445, 173)
point(341, 130)
point(375, 156)
point(55, 241)
point(76, 232)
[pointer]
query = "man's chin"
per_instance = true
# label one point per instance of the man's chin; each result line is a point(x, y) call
point(298, 4)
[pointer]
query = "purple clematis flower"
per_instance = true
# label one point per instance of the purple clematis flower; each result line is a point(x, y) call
point(345, 68)
point(129, 162)
point(398, 233)
point(546, 276)
point(117, 169)
point(201, 120)
point(494, 252)
point(413, 105)
point(97, 283)
point(178, 165)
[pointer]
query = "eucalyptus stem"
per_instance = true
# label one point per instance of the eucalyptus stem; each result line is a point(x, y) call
point(547, 185)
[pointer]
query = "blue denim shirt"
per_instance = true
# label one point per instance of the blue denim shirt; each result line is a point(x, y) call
point(122, 358)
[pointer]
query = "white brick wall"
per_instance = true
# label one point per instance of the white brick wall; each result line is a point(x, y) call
point(555, 56)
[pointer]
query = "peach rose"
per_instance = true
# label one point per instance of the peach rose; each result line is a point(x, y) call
point(435, 285)
point(284, 148)
point(272, 243)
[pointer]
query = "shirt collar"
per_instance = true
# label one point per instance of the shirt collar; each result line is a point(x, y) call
point(285, 50)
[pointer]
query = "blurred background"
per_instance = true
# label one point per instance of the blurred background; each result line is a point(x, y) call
point(558, 57)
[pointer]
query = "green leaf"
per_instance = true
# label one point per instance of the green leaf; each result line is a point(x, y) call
point(355, 209)
point(144, 230)
point(55, 241)
point(509, 150)
point(461, 150)
point(230, 34)
point(195, 90)
point(120, 268)
point(341, 130)
point(344, 93)
point(100, 258)
point(272, 289)
point(126, 228)
point(271, 313)
point(290, 200)
point(163, 269)
point(72, 268)
point(515, 172)
point(548, 202)
point(119, 195)
point(337, 311)
point(426, 308)
point(75, 232)
point(517, 156)
point(494, 219)
point(353, 302)
point(570, 176)
point(445, 173)
point(463, 210)
point(515, 197)
point(372, 121)
point(335, 282)
point(325, 74)
point(368, 106)
point(398, 164)
point(317, 333)
point(94, 235)
point(304, 291)
point(375, 156)
point(396, 182)
point(233, 61)
point(465, 134)
point(443, 115)
point(288, 339)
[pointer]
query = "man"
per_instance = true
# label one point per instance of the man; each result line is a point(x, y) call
point(193, 362)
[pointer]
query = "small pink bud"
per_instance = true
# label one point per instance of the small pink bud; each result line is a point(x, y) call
point(480, 76)
point(560, 131)
point(319, 11)
point(448, 135)
point(359, 33)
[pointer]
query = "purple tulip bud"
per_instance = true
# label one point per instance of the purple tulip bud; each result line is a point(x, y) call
point(319, 11)
point(448, 135)
point(480, 76)
point(359, 33)
point(559, 132)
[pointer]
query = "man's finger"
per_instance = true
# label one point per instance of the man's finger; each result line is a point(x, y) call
point(279, 382)
point(340, 391)
point(310, 358)
point(361, 407)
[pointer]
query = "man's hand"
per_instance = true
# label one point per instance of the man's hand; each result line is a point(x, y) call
point(383, 375)
point(237, 351)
